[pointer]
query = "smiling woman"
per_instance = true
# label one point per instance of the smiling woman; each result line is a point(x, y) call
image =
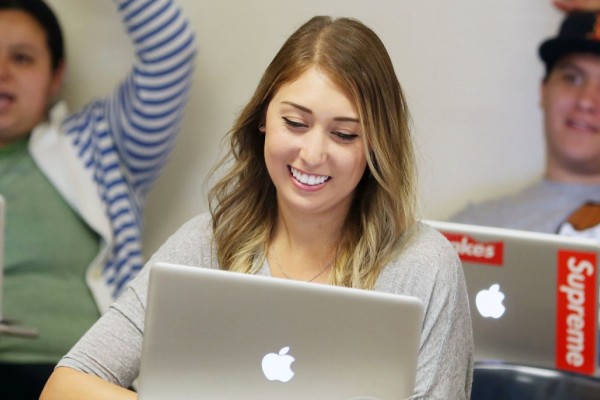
point(314, 153)
point(319, 185)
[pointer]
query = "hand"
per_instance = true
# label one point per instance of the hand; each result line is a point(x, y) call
point(577, 5)
point(68, 384)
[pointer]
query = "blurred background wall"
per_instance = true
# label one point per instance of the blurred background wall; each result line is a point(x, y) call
point(469, 69)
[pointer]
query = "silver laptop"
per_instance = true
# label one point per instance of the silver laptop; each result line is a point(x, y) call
point(533, 296)
point(212, 334)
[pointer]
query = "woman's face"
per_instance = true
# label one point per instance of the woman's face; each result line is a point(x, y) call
point(314, 150)
point(27, 82)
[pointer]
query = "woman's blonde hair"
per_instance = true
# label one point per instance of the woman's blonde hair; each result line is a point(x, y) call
point(243, 202)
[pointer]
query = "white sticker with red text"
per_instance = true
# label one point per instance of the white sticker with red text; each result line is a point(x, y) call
point(471, 250)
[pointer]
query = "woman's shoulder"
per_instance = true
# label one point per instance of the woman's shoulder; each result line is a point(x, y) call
point(200, 222)
point(191, 244)
point(427, 243)
point(423, 258)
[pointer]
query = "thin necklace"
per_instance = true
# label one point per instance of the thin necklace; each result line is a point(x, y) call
point(276, 259)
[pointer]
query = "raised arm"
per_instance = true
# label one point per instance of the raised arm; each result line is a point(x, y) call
point(140, 121)
point(123, 141)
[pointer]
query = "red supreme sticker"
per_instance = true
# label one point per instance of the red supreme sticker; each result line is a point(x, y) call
point(471, 250)
point(576, 314)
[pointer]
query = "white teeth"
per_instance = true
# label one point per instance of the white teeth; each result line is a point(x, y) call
point(308, 179)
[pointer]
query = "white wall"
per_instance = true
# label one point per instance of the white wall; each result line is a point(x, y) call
point(469, 69)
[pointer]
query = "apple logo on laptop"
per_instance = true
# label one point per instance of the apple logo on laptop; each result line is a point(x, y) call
point(489, 302)
point(278, 366)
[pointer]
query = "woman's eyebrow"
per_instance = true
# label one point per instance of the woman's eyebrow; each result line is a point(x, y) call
point(298, 106)
point(309, 111)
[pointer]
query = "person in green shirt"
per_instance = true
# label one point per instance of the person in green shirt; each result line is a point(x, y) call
point(75, 183)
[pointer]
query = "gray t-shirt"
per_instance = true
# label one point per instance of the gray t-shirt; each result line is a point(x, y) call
point(427, 267)
point(542, 207)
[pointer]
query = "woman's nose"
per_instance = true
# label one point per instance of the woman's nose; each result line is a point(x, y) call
point(313, 150)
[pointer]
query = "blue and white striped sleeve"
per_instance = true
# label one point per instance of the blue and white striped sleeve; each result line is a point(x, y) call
point(145, 112)
point(134, 129)
point(125, 139)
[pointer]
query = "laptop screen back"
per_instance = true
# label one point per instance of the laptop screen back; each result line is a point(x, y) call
point(213, 334)
point(533, 296)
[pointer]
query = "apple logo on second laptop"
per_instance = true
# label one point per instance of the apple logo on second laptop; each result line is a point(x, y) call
point(278, 366)
point(489, 302)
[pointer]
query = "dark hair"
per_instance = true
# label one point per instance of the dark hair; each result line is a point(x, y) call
point(44, 15)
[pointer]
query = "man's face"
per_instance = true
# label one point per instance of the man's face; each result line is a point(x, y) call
point(570, 100)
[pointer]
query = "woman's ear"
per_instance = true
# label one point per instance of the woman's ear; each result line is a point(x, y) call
point(262, 127)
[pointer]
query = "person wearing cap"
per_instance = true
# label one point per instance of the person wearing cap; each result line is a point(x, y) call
point(567, 199)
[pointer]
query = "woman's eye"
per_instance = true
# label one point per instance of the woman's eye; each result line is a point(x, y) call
point(292, 123)
point(345, 137)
